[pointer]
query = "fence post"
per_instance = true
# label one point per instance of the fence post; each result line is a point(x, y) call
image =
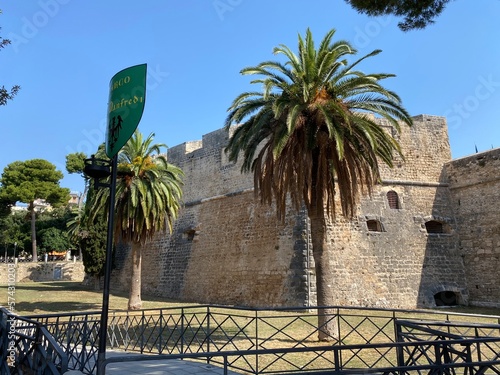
point(256, 317)
point(437, 359)
point(209, 334)
point(126, 326)
point(338, 325)
point(69, 332)
point(160, 339)
point(399, 349)
point(37, 359)
point(182, 331)
point(336, 359)
point(143, 328)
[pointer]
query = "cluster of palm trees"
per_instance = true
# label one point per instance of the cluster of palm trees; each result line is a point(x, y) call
point(309, 136)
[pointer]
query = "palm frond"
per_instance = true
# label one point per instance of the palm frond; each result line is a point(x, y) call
point(148, 194)
point(309, 126)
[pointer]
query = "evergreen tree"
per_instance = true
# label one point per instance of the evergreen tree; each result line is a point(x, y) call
point(28, 181)
point(416, 14)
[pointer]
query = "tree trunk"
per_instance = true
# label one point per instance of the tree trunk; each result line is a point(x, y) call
point(96, 281)
point(33, 232)
point(134, 300)
point(83, 197)
point(327, 320)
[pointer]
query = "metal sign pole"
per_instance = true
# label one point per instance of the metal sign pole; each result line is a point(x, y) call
point(103, 329)
point(127, 97)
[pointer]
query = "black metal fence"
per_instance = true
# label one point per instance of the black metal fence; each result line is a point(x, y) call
point(424, 357)
point(26, 345)
point(258, 341)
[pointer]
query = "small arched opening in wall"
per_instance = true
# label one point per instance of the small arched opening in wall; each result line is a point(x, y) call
point(393, 200)
point(437, 227)
point(446, 298)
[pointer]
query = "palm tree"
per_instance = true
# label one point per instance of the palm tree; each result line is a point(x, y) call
point(311, 134)
point(148, 196)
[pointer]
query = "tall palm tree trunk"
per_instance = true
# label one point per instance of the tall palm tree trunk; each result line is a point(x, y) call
point(327, 324)
point(134, 300)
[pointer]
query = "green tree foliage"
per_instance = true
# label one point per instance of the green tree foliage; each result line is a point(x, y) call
point(148, 197)
point(93, 245)
point(89, 237)
point(6, 94)
point(75, 162)
point(74, 225)
point(14, 229)
point(311, 136)
point(53, 239)
point(30, 180)
point(416, 14)
point(52, 234)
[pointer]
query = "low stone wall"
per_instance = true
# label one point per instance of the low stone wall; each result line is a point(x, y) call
point(41, 271)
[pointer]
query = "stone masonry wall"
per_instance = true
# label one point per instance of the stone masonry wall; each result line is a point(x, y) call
point(50, 271)
point(247, 258)
point(402, 265)
point(475, 190)
point(227, 248)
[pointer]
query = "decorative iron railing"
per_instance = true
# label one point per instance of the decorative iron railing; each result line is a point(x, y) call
point(28, 348)
point(280, 340)
point(433, 361)
point(460, 338)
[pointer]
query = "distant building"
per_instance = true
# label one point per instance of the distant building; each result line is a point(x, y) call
point(42, 205)
point(75, 198)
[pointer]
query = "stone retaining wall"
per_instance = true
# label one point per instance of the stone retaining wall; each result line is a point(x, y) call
point(50, 271)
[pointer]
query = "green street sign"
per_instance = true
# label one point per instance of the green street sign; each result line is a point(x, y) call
point(127, 96)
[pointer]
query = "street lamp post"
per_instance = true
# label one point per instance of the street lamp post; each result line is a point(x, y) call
point(5, 259)
point(99, 169)
point(15, 247)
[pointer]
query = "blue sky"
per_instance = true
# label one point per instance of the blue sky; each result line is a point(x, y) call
point(64, 53)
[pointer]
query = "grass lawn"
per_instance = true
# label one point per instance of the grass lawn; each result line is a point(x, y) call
point(234, 329)
point(66, 296)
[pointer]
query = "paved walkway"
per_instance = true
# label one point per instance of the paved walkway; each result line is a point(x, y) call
point(161, 367)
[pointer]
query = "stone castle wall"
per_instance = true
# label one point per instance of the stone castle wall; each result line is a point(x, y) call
point(227, 248)
point(403, 265)
point(475, 190)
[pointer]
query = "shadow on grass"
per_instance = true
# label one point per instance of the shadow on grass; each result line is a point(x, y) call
point(53, 286)
point(35, 298)
point(59, 307)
